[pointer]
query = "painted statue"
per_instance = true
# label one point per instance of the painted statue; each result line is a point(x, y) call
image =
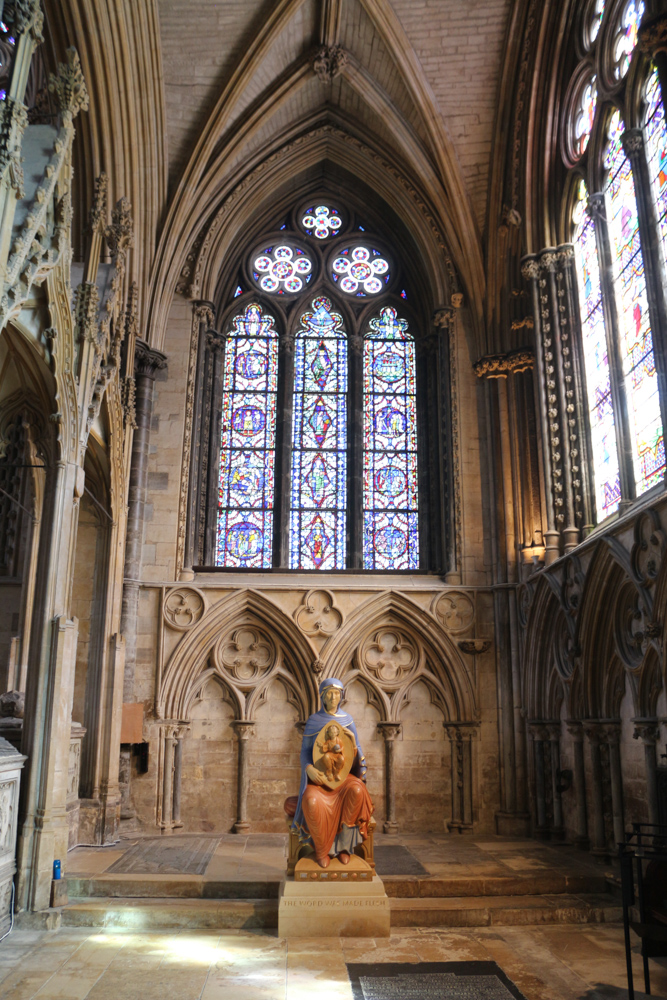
point(334, 806)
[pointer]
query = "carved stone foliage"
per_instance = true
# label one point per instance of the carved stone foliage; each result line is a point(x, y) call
point(389, 657)
point(648, 549)
point(455, 611)
point(318, 615)
point(183, 608)
point(246, 655)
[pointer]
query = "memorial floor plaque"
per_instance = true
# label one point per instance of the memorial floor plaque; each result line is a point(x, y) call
point(432, 981)
point(166, 856)
point(394, 859)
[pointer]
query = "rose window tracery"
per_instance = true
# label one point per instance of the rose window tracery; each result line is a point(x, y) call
point(321, 221)
point(626, 37)
point(360, 271)
point(282, 269)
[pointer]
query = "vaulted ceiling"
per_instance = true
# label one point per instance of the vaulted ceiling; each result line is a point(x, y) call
point(408, 90)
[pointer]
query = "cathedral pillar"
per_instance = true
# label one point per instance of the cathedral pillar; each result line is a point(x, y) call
point(169, 738)
point(178, 776)
point(540, 737)
point(575, 729)
point(647, 730)
point(390, 732)
point(594, 735)
point(147, 363)
point(243, 732)
point(461, 735)
point(553, 729)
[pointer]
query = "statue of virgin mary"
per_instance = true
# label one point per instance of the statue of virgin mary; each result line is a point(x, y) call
point(332, 821)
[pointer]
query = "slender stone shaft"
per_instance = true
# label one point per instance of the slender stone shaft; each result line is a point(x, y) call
point(390, 731)
point(592, 730)
point(168, 781)
point(243, 731)
point(575, 730)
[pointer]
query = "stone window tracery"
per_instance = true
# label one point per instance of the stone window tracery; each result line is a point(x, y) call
point(616, 211)
point(318, 465)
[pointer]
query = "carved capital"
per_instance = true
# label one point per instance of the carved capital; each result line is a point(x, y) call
point(501, 365)
point(633, 142)
point(653, 36)
point(553, 729)
point(243, 729)
point(147, 360)
point(526, 323)
point(549, 261)
point(646, 730)
point(204, 312)
point(530, 269)
point(443, 318)
point(576, 730)
point(214, 340)
point(390, 730)
point(69, 87)
point(328, 62)
point(26, 15)
point(539, 731)
point(458, 732)
point(596, 206)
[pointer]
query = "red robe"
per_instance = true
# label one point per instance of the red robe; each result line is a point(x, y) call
point(325, 811)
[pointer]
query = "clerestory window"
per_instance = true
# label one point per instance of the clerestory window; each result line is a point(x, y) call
point(614, 144)
point(319, 443)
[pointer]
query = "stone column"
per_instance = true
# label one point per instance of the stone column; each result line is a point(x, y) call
point(461, 735)
point(178, 777)
point(203, 316)
point(648, 731)
point(243, 731)
point(168, 778)
point(390, 732)
point(540, 736)
point(613, 739)
point(576, 731)
point(553, 730)
point(147, 362)
point(594, 735)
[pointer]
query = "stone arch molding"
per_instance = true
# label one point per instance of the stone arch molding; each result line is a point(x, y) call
point(389, 644)
point(245, 642)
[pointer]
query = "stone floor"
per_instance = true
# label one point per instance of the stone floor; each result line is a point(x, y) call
point(546, 963)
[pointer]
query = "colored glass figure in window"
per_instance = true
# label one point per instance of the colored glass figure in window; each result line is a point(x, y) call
point(585, 116)
point(626, 38)
point(596, 362)
point(639, 373)
point(656, 151)
point(319, 456)
point(247, 451)
point(391, 536)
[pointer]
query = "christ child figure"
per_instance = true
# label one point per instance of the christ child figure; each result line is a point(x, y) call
point(333, 758)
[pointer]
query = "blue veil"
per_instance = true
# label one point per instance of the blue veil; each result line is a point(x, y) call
point(314, 724)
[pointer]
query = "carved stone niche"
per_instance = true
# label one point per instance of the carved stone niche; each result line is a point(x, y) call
point(389, 656)
point(245, 656)
point(11, 763)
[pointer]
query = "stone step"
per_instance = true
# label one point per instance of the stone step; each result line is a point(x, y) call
point(169, 913)
point(487, 911)
point(396, 886)
point(157, 913)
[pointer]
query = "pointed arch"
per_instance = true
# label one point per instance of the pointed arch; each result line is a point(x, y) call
point(184, 666)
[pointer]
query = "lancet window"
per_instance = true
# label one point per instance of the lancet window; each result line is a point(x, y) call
point(319, 438)
point(614, 143)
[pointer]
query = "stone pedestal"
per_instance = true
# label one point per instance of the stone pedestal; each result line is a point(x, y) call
point(11, 762)
point(333, 908)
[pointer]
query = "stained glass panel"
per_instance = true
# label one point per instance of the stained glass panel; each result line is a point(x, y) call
point(360, 271)
point(626, 37)
point(247, 447)
point(319, 455)
point(321, 221)
point(585, 116)
point(640, 379)
point(282, 269)
point(596, 362)
point(595, 19)
point(656, 151)
point(391, 535)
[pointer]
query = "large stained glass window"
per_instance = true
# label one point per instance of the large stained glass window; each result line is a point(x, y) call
point(656, 151)
point(247, 450)
point(391, 537)
point(639, 374)
point(319, 455)
point(596, 362)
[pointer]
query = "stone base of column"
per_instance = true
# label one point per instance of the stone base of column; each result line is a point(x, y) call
point(186, 575)
point(458, 826)
point(389, 826)
point(512, 824)
point(552, 547)
point(582, 843)
point(557, 833)
point(241, 826)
